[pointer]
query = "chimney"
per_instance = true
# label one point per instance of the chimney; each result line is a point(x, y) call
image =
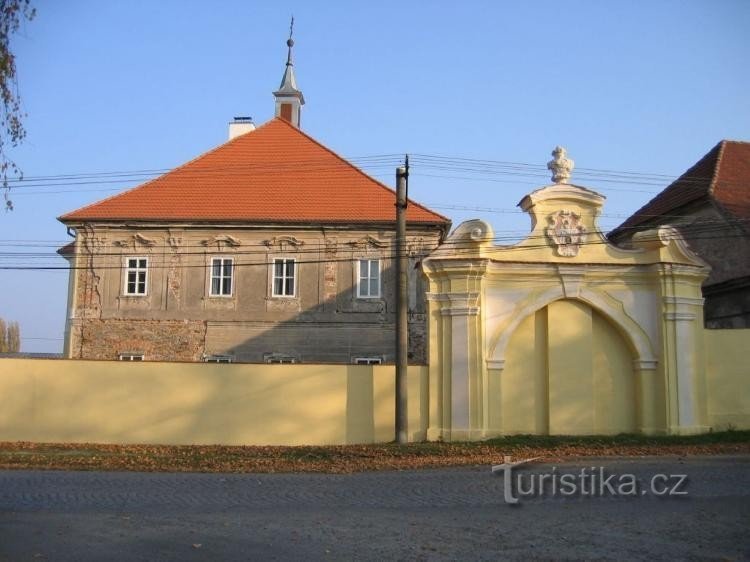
point(240, 126)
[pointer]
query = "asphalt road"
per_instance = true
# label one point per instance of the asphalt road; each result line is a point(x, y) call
point(424, 515)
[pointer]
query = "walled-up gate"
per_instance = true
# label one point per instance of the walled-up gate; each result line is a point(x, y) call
point(564, 333)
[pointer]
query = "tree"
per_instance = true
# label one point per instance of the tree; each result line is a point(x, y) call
point(14, 337)
point(12, 132)
point(10, 337)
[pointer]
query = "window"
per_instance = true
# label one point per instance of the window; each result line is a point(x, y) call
point(279, 358)
point(218, 359)
point(368, 286)
point(221, 277)
point(368, 360)
point(283, 277)
point(136, 276)
point(131, 356)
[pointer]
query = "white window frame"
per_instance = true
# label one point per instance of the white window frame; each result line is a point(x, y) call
point(131, 357)
point(221, 277)
point(367, 360)
point(218, 359)
point(285, 275)
point(137, 269)
point(369, 277)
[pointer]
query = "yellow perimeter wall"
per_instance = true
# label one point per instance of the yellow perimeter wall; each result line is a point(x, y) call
point(200, 403)
point(728, 378)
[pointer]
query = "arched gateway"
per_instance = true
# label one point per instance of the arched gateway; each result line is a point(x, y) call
point(564, 333)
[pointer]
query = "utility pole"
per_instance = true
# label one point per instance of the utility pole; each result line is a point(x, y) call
point(402, 303)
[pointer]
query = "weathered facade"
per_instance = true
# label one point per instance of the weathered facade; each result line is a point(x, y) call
point(325, 320)
point(710, 206)
point(269, 248)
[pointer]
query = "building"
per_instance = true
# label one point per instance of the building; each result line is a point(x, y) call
point(710, 206)
point(268, 248)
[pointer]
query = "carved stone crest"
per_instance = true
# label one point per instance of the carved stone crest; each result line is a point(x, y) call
point(566, 232)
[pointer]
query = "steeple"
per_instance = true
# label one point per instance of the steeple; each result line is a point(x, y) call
point(289, 100)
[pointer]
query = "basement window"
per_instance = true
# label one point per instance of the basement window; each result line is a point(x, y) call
point(368, 360)
point(218, 359)
point(222, 270)
point(278, 359)
point(131, 356)
point(136, 276)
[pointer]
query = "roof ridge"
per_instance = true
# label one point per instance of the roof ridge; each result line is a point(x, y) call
point(715, 176)
point(345, 161)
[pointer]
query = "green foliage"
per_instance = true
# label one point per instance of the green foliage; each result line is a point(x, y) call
point(12, 132)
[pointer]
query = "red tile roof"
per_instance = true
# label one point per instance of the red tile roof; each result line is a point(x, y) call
point(722, 175)
point(275, 173)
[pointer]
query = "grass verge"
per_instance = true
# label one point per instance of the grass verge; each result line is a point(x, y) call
point(357, 458)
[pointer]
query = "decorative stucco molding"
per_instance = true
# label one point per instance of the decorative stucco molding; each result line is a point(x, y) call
point(690, 301)
point(496, 364)
point(331, 246)
point(366, 242)
point(134, 241)
point(222, 240)
point(645, 364)
point(470, 235)
point(561, 166)
point(566, 232)
point(635, 336)
point(283, 243)
point(174, 241)
point(679, 316)
point(571, 278)
point(668, 237)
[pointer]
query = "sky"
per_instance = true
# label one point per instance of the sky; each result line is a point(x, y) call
point(643, 87)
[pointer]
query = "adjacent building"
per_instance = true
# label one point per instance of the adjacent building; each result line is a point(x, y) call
point(268, 248)
point(710, 206)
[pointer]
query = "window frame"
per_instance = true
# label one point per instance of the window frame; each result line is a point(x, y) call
point(131, 356)
point(221, 277)
point(136, 270)
point(369, 277)
point(372, 360)
point(218, 359)
point(294, 277)
point(280, 359)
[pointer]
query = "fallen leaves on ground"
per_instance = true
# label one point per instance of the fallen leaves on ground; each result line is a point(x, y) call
point(354, 458)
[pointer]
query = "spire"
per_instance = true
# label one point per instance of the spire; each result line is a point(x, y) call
point(289, 99)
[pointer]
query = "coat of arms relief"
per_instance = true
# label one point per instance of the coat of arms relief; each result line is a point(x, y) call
point(566, 232)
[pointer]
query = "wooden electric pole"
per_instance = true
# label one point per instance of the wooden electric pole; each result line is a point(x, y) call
point(402, 303)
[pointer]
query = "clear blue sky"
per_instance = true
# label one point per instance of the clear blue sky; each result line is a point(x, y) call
point(640, 86)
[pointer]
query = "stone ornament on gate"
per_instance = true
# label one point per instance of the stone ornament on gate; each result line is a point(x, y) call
point(566, 232)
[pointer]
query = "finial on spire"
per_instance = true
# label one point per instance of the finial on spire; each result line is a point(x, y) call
point(290, 43)
point(561, 166)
